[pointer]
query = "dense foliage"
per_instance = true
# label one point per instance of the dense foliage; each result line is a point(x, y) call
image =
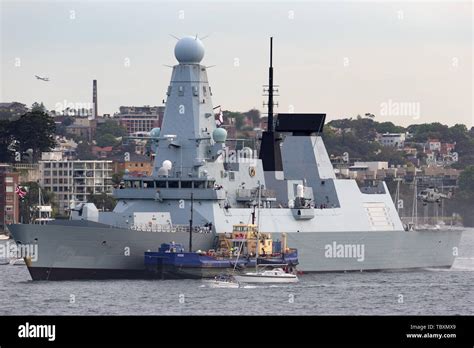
point(29, 135)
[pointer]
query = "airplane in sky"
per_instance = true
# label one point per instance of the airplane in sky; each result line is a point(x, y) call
point(42, 78)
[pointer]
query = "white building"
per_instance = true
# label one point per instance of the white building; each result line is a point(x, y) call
point(393, 139)
point(434, 144)
point(373, 166)
point(74, 181)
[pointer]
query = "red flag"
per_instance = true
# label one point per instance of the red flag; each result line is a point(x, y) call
point(20, 191)
point(220, 118)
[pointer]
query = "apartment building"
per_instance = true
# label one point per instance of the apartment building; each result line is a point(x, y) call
point(74, 181)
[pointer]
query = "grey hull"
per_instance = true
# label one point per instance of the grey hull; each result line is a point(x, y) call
point(102, 253)
point(383, 250)
point(72, 252)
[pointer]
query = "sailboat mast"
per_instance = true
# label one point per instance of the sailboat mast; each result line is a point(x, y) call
point(414, 210)
point(191, 226)
point(258, 226)
point(39, 201)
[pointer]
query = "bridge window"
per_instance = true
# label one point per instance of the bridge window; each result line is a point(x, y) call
point(186, 184)
point(148, 184)
point(173, 184)
point(136, 184)
point(128, 184)
point(160, 184)
point(210, 184)
point(199, 184)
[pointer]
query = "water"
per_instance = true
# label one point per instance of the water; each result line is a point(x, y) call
point(423, 292)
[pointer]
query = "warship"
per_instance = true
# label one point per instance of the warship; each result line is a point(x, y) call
point(334, 224)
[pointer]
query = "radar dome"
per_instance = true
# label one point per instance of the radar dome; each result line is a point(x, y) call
point(155, 133)
point(167, 164)
point(300, 190)
point(219, 135)
point(162, 172)
point(189, 50)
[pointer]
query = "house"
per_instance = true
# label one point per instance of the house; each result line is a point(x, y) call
point(101, 152)
point(396, 140)
point(433, 144)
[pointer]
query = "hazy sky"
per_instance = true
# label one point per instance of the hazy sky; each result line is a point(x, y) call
point(404, 62)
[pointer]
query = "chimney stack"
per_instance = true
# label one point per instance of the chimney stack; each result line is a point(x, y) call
point(94, 99)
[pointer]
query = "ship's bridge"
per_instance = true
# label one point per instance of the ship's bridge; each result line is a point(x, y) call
point(161, 189)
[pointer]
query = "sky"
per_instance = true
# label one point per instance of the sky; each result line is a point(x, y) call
point(403, 62)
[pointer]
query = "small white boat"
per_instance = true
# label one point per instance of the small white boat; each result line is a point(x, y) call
point(223, 281)
point(277, 275)
point(17, 262)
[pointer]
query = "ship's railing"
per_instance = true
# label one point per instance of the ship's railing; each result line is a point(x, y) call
point(169, 228)
point(250, 194)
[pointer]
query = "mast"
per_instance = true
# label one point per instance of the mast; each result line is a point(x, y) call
point(270, 152)
point(258, 227)
point(253, 215)
point(270, 89)
point(191, 226)
point(415, 207)
point(39, 202)
point(397, 196)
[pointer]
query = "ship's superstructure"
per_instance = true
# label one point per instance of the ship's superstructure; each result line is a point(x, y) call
point(334, 226)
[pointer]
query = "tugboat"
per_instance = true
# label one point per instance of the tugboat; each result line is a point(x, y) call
point(235, 252)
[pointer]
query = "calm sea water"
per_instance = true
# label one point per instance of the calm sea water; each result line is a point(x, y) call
point(427, 292)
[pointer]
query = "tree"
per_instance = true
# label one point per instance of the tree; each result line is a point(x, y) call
point(254, 115)
point(106, 140)
point(388, 127)
point(466, 182)
point(464, 197)
point(102, 201)
point(423, 132)
point(35, 107)
point(111, 127)
point(239, 121)
point(34, 130)
point(117, 178)
point(84, 151)
point(6, 140)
